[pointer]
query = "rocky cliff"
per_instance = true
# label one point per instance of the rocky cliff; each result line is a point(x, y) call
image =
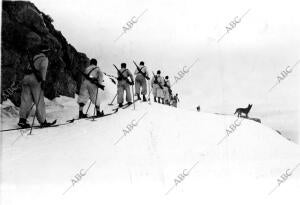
point(23, 26)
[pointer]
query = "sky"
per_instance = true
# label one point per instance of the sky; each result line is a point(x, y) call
point(172, 34)
point(233, 72)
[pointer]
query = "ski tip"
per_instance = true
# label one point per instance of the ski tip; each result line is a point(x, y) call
point(70, 121)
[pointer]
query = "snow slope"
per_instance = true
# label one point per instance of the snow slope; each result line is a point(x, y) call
point(141, 167)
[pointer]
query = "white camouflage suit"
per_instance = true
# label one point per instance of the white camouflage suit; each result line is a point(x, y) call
point(140, 81)
point(31, 89)
point(157, 91)
point(88, 90)
point(160, 92)
point(124, 86)
point(166, 91)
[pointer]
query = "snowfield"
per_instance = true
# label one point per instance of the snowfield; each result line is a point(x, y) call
point(168, 156)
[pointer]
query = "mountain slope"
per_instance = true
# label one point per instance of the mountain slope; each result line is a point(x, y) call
point(141, 167)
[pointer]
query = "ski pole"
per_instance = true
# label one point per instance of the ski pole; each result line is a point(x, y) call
point(96, 105)
point(150, 90)
point(38, 102)
point(32, 103)
point(31, 107)
point(133, 98)
point(149, 99)
point(88, 107)
point(113, 100)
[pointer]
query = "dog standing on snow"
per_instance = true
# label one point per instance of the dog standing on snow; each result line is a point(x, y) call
point(239, 111)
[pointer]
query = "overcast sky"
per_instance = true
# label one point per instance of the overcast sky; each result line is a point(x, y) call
point(172, 34)
point(171, 30)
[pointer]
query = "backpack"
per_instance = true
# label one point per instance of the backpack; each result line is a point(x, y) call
point(91, 71)
point(121, 76)
point(155, 79)
point(29, 69)
point(165, 83)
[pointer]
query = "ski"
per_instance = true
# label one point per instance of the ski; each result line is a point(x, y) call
point(142, 101)
point(91, 117)
point(118, 107)
point(123, 105)
point(127, 105)
point(52, 124)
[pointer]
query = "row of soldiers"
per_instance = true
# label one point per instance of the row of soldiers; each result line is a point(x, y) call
point(33, 85)
point(160, 87)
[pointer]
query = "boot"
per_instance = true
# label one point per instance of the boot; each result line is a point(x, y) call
point(23, 123)
point(120, 104)
point(100, 114)
point(129, 103)
point(45, 124)
point(144, 98)
point(154, 99)
point(81, 115)
point(138, 96)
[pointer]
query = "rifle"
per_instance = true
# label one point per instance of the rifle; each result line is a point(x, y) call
point(111, 77)
point(92, 80)
point(161, 87)
point(122, 76)
point(140, 71)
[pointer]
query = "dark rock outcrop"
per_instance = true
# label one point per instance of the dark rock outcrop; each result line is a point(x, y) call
point(24, 26)
point(256, 119)
point(252, 118)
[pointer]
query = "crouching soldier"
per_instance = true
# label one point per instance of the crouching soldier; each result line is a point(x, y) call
point(167, 91)
point(141, 78)
point(175, 100)
point(124, 85)
point(33, 85)
point(93, 79)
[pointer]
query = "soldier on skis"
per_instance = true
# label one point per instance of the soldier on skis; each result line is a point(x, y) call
point(93, 79)
point(33, 85)
point(124, 85)
point(157, 88)
point(167, 90)
point(141, 78)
